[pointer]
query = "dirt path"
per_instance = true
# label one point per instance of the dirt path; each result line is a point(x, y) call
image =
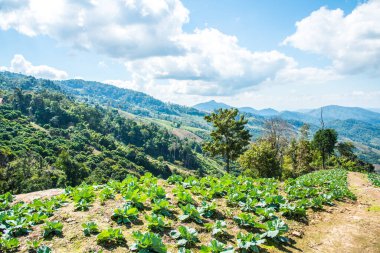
point(348, 227)
point(29, 197)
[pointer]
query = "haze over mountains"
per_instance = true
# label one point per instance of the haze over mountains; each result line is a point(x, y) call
point(358, 125)
point(330, 112)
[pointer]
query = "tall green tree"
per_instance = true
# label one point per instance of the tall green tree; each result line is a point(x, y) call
point(324, 141)
point(229, 136)
point(260, 160)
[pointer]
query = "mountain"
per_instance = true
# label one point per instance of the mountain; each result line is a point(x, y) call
point(211, 106)
point(187, 122)
point(335, 112)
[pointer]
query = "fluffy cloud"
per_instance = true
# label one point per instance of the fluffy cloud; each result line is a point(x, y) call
point(118, 28)
point(20, 65)
point(147, 36)
point(351, 41)
point(214, 63)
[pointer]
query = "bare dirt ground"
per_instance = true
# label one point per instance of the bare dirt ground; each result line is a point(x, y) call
point(29, 197)
point(347, 227)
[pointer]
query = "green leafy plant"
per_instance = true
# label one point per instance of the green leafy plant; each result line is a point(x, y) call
point(190, 213)
point(156, 192)
point(90, 228)
point(148, 242)
point(135, 197)
point(156, 222)
point(9, 244)
point(245, 220)
point(249, 242)
point(52, 228)
point(216, 247)
point(175, 179)
point(275, 230)
point(36, 247)
point(110, 236)
point(44, 249)
point(207, 210)
point(105, 194)
point(218, 229)
point(162, 206)
point(125, 215)
point(184, 197)
point(185, 236)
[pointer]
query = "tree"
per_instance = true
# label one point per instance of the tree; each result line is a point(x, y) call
point(75, 172)
point(346, 149)
point(260, 160)
point(324, 141)
point(229, 136)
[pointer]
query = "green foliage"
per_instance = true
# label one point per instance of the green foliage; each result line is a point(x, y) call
point(374, 178)
point(83, 196)
point(229, 136)
point(173, 179)
point(245, 220)
point(185, 236)
point(275, 230)
point(162, 207)
point(52, 228)
point(156, 222)
point(148, 242)
point(90, 228)
point(260, 160)
point(135, 197)
point(9, 244)
point(183, 196)
point(207, 210)
point(216, 247)
point(249, 242)
point(125, 215)
point(105, 194)
point(190, 212)
point(110, 236)
point(324, 140)
point(219, 228)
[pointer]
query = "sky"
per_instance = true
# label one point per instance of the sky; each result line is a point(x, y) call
point(282, 54)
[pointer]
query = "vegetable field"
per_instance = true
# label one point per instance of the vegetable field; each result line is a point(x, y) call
point(190, 214)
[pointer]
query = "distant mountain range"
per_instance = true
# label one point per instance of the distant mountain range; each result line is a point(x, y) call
point(330, 113)
point(362, 126)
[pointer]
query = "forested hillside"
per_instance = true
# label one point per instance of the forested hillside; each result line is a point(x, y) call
point(50, 140)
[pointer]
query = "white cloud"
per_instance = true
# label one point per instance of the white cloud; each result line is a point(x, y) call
point(20, 65)
point(351, 41)
point(118, 28)
point(147, 36)
point(214, 63)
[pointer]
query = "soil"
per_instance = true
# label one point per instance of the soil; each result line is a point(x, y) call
point(347, 227)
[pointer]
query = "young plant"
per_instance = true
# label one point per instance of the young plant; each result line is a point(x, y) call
point(249, 242)
point(36, 247)
point(156, 192)
point(90, 228)
point(105, 194)
point(175, 179)
point(156, 222)
point(245, 220)
point(183, 196)
point(275, 230)
point(207, 210)
point(218, 228)
point(185, 236)
point(190, 213)
point(125, 215)
point(110, 236)
point(9, 244)
point(52, 228)
point(135, 198)
point(148, 242)
point(36, 218)
point(162, 206)
point(17, 226)
point(216, 247)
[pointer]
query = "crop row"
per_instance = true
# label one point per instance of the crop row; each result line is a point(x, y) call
point(260, 204)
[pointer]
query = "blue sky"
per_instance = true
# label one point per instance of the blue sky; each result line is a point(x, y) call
point(280, 54)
